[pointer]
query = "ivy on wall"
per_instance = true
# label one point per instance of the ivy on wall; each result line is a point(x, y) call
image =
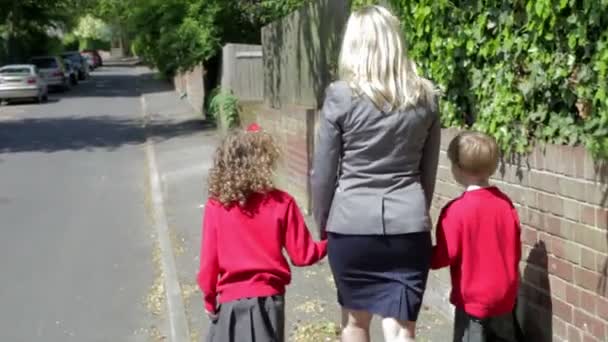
point(524, 71)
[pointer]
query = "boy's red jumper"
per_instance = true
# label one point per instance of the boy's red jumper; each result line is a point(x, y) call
point(478, 236)
point(244, 248)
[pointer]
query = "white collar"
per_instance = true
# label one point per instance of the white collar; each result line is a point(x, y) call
point(474, 187)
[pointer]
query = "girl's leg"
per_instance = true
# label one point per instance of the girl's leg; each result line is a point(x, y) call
point(398, 331)
point(355, 325)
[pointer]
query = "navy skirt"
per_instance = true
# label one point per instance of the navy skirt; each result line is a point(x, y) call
point(382, 274)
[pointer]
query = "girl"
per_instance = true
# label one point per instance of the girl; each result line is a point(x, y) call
point(247, 224)
point(374, 175)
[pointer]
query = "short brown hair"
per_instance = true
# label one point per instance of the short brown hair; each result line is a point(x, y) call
point(243, 164)
point(475, 153)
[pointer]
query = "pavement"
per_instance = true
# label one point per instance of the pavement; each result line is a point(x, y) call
point(312, 313)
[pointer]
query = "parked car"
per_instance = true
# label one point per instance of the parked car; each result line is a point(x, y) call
point(72, 72)
point(22, 81)
point(53, 71)
point(79, 63)
point(96, 57)
point(89, 59)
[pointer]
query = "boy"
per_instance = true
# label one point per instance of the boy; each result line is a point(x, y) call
point(478, 236)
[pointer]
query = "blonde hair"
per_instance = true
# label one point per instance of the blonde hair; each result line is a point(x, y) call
point(374, 62)
point(243, 165)
point(474, 153)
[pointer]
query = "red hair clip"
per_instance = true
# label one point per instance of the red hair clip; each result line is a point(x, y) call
point(254, 127)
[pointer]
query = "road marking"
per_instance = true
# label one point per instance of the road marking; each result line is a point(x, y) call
point(176, 312)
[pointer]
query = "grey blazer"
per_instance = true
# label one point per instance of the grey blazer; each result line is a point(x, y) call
point(373, 172)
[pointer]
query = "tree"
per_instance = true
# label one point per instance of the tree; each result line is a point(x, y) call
point(90, 30)
point(90, 27)
point(27, 22)
point(175, 35)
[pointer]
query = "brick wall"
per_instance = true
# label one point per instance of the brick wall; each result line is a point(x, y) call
point(561, 195)
point(192, 84)
point(179, 81)
point(292, 127)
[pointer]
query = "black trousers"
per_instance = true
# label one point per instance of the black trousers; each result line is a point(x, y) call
point(492, 329)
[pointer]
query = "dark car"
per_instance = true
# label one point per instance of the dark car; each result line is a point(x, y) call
point(79, 63)
point(95, 56)
point(69, 67)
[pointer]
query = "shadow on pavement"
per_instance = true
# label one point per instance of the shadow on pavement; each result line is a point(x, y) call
point(85, 133)
point(25, 102)
point(113, 82)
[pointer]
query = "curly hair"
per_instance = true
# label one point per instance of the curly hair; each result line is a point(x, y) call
point(243, 165)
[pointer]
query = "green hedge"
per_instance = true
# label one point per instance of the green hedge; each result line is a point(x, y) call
point(525, 71)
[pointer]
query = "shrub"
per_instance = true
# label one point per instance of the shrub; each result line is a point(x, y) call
point(224, 108)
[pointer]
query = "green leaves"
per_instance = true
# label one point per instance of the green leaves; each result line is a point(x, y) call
point(528, 71)
point(90, 27)
point(25, 26)
point(175, 35)
point(224, 108)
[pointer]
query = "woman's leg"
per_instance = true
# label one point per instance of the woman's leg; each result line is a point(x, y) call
point(355, 325)
point(398, 331)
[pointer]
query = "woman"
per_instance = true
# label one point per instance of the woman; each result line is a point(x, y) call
point(374, 177)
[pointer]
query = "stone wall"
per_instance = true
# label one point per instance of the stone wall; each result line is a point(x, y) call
point(192, 85)
point(561, 195)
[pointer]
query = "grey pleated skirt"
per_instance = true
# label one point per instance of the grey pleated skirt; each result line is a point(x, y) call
point(250, 320)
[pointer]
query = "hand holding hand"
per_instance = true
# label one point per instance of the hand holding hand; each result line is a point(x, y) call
point(213, 316)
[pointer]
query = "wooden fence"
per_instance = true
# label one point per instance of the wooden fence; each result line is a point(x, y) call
point(301, 53)
point(242, 71)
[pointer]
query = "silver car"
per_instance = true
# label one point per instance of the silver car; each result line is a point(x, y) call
point(22, 82)
point(53, 71)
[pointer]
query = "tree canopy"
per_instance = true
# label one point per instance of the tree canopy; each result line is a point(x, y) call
point(178, 34)
point(171, 35)
point(32, 26)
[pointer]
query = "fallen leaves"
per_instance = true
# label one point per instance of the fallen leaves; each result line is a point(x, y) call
point(317, 332)
point(311, 306)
